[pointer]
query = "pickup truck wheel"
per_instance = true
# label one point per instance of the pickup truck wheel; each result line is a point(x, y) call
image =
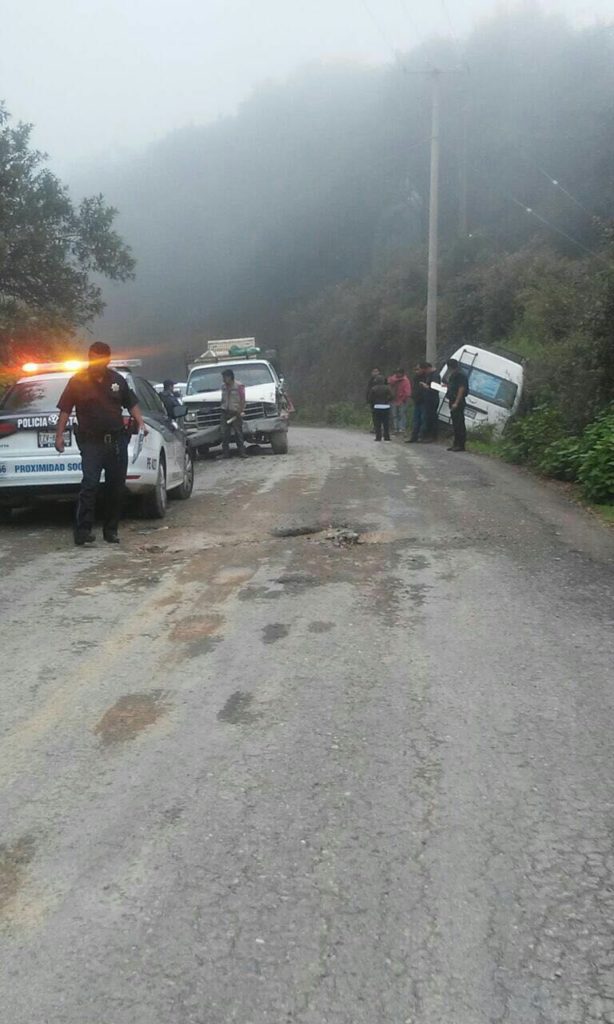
point(279, 442)
point(186, 487)
point(153, 504)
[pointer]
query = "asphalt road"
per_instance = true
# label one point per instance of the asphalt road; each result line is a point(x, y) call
point(253, 776)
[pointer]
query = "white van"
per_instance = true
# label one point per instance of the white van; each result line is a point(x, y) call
point(495, 387)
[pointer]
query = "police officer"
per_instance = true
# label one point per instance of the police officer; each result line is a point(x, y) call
point(458, 389)
point(98, 395)
point(169, 398)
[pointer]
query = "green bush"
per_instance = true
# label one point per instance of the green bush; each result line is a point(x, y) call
point(526, 439)
point(596, 473)
point(346, 414)
point(562, 459)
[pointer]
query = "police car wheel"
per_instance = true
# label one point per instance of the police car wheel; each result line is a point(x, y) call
point(153, 504)
point(184, 490)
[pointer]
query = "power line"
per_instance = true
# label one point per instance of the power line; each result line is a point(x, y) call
point(533, 163)
point(453, 35)
point(382, 31)
point(543, 220)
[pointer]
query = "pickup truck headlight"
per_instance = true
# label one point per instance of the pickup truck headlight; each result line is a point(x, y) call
point(191, 417)
point(270, 409)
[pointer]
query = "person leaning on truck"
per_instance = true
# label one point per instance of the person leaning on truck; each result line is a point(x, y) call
point(458, 389)
point(233, 408)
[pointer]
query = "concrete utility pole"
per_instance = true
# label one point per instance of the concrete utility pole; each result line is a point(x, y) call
point(463, 224)
point(431, 300)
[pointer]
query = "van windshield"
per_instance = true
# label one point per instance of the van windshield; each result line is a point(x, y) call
point(490, 388)
point(209, 378)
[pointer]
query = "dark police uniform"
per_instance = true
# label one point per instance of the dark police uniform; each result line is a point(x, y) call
point(457, 380)
point(103, 442)
point(169, 401)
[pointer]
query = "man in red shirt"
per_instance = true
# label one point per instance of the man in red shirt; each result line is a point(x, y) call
point(400, 386)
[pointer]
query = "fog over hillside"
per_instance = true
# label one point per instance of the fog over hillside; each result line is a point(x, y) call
point(322, 179)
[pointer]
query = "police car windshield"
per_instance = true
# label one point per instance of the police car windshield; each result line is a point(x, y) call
point(209, 378)
point(33, 396)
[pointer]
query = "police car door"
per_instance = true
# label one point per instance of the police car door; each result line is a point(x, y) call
point(174, 442)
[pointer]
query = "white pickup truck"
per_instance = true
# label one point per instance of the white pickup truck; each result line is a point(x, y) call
point(267, 407)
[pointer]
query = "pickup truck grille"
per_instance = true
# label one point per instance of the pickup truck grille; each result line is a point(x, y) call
point(210, 415)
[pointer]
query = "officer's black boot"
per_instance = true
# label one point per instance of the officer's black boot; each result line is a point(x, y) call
point(111, 536)
point(84, 537)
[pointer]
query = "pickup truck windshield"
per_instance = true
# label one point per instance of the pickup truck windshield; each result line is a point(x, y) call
point(489, 387)
point(209, 378)
point(33, 395)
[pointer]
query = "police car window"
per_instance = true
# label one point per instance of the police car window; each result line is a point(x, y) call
point(34, 395)
point(143, 395)
point(209, 378)
point(154, 402)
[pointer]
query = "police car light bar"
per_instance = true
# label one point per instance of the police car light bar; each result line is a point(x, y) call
point(68, 364)
point(72, 365)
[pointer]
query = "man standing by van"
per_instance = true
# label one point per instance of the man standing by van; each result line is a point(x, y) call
point(233, 407)
point(458, 389)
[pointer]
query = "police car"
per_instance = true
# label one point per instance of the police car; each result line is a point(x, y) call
point(159, 464)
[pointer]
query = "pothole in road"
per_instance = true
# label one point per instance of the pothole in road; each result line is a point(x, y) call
point(129, 716)
point(324, 530)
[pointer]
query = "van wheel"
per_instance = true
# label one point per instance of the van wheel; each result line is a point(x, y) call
point(186, 487)
point(153, 504)
point(279, 442)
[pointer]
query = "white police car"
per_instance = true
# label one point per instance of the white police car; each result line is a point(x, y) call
point(159, 464)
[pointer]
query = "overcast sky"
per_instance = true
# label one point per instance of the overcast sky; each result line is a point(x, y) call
point(100, 78)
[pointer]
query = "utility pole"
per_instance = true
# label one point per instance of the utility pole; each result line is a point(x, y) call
point(463, 227)
point(431, 300)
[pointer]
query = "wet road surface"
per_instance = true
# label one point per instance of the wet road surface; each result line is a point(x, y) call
point(253, 771)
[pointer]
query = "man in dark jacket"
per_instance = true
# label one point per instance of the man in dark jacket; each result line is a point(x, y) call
point(169, 399)
point(381, 400)
point(458, 389)
point(418, 397)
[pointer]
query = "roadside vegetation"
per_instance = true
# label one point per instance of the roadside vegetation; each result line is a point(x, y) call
point(53, 255)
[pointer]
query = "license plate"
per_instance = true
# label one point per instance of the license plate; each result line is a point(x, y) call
point(46, 439)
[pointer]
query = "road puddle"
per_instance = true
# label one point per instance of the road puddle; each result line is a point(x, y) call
point(275, 631)
point(237, 709)
point(14, 861)
point(129, 716)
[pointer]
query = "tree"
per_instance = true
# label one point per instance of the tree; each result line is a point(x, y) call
point(49, 249)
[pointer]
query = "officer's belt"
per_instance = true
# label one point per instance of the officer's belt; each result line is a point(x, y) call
point(110, 437)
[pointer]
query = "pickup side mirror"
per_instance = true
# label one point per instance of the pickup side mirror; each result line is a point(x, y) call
point(179, 411)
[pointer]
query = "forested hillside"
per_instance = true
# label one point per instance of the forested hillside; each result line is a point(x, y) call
point(303, 219)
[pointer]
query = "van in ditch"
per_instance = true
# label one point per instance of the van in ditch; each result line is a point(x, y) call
point(495, 387)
